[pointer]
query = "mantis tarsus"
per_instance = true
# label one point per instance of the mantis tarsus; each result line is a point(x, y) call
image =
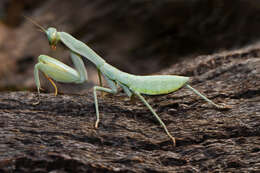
point(131, 84)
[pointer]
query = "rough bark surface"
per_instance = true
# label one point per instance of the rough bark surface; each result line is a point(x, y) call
point(58, 135)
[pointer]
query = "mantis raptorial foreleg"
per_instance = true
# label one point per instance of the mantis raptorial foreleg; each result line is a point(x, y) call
point(80, 68)
point(54, 69)
point(53, 84)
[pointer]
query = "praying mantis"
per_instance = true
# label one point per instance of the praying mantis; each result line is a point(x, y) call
point(131, 84)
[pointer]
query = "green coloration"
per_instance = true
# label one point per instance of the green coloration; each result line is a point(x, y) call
point(60, 71)
point(131, 84)
point(80, 48)
point(52, 36)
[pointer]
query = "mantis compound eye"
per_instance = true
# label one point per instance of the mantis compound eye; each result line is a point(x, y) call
point(53, 37)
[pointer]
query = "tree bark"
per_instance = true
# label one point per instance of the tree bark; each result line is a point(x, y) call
point(58, 134)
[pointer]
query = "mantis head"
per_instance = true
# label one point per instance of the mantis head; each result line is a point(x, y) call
point(53, 37)
point(52, 34)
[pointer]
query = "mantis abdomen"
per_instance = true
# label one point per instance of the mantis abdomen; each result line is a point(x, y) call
point(158, 84)
point(150, 85)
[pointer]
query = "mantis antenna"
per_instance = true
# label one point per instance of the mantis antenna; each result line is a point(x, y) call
point(42, 29)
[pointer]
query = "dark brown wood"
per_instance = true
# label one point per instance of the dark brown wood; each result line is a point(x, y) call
point(58, 135)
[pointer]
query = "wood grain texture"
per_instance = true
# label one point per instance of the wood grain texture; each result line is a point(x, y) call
point(58, 134)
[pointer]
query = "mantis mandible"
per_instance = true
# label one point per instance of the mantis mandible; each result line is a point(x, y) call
point(131, 84)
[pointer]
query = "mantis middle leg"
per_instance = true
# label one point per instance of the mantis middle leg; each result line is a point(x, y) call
point(113, 90)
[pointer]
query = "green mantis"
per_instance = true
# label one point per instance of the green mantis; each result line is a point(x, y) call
point(131, 84)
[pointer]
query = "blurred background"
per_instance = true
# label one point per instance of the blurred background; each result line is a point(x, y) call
point(136, 36)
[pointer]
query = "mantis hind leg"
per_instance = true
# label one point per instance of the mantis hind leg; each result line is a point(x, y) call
point(113, 90)
point(206, 99)
point(157, 117)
